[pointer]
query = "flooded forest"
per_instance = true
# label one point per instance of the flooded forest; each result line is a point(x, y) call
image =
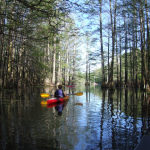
point(100, 47)
point(47, 43)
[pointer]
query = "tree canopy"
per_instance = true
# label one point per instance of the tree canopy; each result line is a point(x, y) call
point(42, 42)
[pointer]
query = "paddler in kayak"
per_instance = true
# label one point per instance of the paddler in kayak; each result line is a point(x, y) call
point(59, 92)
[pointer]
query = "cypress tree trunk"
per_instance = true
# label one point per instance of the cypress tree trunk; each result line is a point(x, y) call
point(126, 62)
point(101, 43)
point(113, 27)
point(143, 54)
point(136, 41)
point(120, 63)
point(66, 62)
point(2, 31)
point(59, 70)
point(148, 45)
point(74, 53)
point(86, 83)
point(54, 62)
point(133, 43)
point(117, 63)
point(108, 58)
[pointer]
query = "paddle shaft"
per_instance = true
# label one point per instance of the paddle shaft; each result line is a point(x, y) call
point(45, 95)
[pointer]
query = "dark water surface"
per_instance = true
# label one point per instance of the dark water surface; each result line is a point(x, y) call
point(106, 120)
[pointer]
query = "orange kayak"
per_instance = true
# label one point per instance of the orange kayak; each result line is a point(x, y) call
point(71, 86)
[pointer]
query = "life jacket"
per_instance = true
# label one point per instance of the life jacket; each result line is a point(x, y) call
point(59, 93)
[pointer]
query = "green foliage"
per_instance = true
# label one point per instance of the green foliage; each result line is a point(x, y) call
point(28, 27)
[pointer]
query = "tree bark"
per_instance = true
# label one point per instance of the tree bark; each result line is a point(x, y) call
point(113, 27)
point(148, 45)
point(54, 62)
point(101, 43)
point(143, 54)
point(126, 45)
point(74, 53)
point(108, 57)
point(120, 62)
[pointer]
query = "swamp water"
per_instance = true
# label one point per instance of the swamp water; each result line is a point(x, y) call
point(100, 120)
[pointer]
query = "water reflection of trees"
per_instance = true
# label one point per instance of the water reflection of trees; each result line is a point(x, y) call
point(19, 127)
point(127, 119)
point(123, 118)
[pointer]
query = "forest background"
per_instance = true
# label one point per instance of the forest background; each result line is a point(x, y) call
point(48, 42)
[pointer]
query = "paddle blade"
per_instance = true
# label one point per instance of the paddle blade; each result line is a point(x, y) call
point(79, 104)
point(44, 95)
point(79, 94)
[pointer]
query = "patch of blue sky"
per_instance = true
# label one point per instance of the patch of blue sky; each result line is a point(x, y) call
point(88, 23)
point(91, 25)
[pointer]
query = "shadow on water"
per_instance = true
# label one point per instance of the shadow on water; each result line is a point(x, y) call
point(106, 120)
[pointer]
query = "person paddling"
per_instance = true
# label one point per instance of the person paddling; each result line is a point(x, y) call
point(59, 92)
